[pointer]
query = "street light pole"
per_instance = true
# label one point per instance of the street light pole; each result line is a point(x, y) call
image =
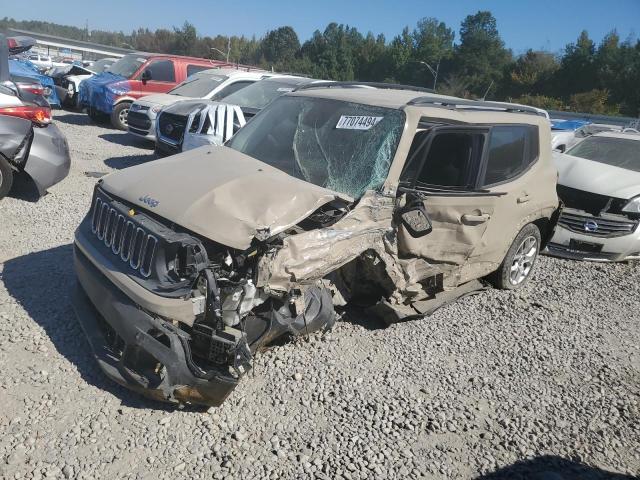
point(221, 52)
point(433, 71)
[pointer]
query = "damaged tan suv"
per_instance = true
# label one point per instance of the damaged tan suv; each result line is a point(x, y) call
point(384, 197)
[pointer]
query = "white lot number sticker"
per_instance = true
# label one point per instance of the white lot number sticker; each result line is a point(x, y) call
point(357, 122)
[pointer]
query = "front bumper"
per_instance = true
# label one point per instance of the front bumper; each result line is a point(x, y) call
point(615, 249)
point(136, 348)
point(141, 124)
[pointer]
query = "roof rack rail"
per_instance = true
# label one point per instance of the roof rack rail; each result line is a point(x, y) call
point(291, 74)
point(380, 85)
point(453, 103)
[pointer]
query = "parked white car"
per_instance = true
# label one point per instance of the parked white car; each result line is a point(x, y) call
point(599, 184)
point(41, 61)
point(565, 134)
point(212, 84)
point(68, 78)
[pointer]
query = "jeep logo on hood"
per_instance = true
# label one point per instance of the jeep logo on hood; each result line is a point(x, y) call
point(147, 200)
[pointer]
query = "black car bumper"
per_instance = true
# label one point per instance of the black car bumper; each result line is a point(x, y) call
point(136, 349)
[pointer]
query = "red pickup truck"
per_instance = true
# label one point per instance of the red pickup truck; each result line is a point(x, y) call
point(133, 76)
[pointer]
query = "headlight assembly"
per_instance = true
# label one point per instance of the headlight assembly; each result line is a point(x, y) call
point(632, 206)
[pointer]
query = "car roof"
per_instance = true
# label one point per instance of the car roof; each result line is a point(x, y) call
point(289, 79)
point(148, 55)
point(431, 104)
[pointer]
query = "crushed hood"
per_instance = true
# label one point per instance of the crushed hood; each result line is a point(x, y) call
point(185, 107)
point(160, 99)
point(220, 194)
point(596, 177)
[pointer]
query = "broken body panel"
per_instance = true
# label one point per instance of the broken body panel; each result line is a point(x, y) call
point(258, 253)
point(40, 152)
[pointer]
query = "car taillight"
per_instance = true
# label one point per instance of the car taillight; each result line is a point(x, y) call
point(38, 115)
point(12, 43)
point(34, 88)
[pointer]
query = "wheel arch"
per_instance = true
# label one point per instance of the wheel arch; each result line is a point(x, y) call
point(123, 100)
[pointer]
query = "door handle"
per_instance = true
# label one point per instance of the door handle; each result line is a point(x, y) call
point(468, 218)
point(524, 198)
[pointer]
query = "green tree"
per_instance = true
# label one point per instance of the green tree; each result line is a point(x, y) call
point(280, 45)
point(594, 101)
point(185, 39)
point(332, 53)
point(481, 57)
point(530, 73)
point(578, 72)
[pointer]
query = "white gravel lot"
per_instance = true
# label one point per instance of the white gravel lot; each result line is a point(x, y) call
point(543, 383)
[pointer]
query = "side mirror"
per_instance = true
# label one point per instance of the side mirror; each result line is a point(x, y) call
point(146, 76)
point(416, 220)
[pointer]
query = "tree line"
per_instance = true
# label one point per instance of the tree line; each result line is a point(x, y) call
point(586, 77)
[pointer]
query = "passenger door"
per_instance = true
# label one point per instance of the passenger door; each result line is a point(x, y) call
point(510, 166)
point(158, 77)
point(441, 177)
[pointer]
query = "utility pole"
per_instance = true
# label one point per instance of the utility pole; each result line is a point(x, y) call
point(226, 55)
point(433, 71)
point(4, 59)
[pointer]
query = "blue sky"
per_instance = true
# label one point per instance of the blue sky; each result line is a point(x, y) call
point(547, 24)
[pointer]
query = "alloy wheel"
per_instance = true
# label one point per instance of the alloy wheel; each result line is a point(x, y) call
point(523, 260)
point(122, 116)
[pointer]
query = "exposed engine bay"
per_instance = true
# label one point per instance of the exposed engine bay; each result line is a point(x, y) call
point(232, 316)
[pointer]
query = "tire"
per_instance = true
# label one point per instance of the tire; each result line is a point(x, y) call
point(518, 263)
point(119, 115)
point(96, 115)
point(6, 178)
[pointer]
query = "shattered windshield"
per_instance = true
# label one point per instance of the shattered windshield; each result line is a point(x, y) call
point(127, 65)
point(261, 93)
point(198, 86)
point(342, 146)
point(617, 152)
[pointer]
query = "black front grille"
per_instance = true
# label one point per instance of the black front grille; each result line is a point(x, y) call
point(171, 127)
point(589, 202)
point(603, 226)
point(138, 120)
point(125, 238)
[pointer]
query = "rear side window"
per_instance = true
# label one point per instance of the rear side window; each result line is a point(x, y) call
point(512, 149)
point(162, 71)
point(229, 89)
point(191, 69)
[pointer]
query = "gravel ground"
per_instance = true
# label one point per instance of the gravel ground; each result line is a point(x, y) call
point(544, 381)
